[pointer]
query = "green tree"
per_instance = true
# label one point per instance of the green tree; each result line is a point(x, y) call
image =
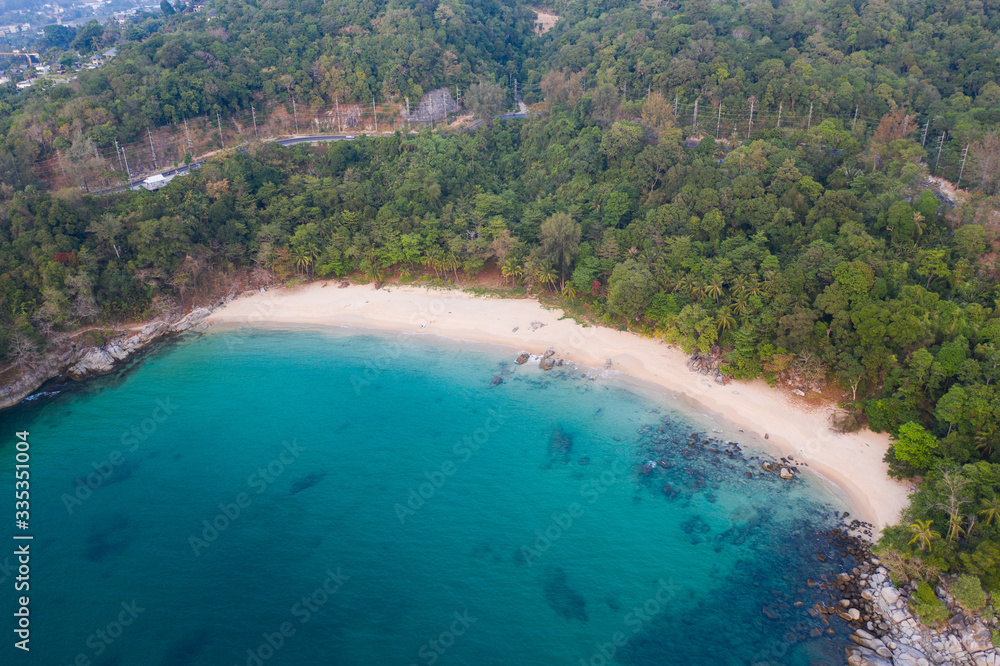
point(560, 243)
point(630, 289)
point(915, 446)
point(486, 100)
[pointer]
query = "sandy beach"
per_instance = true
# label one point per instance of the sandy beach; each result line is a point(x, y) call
point(852, 462)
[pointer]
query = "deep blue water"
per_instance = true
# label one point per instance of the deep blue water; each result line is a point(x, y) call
point(335, 497)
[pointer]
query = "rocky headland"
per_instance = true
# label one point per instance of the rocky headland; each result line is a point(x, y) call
point(83, 362)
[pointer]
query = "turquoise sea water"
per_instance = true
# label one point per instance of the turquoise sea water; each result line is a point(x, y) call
point(336, 497)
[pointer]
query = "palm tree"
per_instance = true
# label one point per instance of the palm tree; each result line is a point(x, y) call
point(985, 440)
point(741, 305)
point(991, 510)
point(753, 286)
point(725, 320)
point(569, 291)
point(697, 289)
point(302, 257)
point(547, 275)
point(955, 529)
point(451, 263)
point(429, 262)
point(923, 535)
point(714, 288)
point(740, 286)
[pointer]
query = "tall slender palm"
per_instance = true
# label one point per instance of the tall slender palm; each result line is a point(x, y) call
point(986, 440)
point(547, 275)
point(725, 319)
point(697, 289)
point(740, 286)
point(451, 263)
point(714, 288)
point(922, 533)
point(955, 528)
point(991, 510)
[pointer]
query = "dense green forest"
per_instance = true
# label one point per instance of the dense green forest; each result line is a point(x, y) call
point(817, 253)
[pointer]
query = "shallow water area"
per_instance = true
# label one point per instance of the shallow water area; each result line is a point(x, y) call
point(339, 496)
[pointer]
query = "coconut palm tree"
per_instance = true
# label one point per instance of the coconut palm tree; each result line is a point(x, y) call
point(991, 510)
point(922, 533)
point(569, 291)
point(741, 305)
point(714, 288)
point(547, 275)
point(429, 262)
point(955, 528)
point(451, 263)
point(986, 440)
point(725, 320)
point(697, 289)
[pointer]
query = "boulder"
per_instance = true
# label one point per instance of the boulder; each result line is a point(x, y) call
point(976, 638)
point(522, 358)
point(890, 595)
point(546, 363)
point(786, 473)
point(95, 361)
point(860, 656)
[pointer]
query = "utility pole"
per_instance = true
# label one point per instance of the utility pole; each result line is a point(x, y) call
point(694, 121)
point(924, 140)
point(675, 106)
point(940, 146)
point(188, 135)
point(780, 107)
point(750, 124)
point(855, 121)
point(61, 167)
point(118, 153)
point(254, 112)
point(222, 139)
point(375, 113)
point(810, 123)
point(340, 123)
point(295, 115)
point(965, 152)
point(127, 169)
point(718, 124)
point(151, 149)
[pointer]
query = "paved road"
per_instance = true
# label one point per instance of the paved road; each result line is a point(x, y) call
point(316, 139)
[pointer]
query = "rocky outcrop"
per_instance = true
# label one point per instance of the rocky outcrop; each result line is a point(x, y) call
point(90, 361)
point(894, 637)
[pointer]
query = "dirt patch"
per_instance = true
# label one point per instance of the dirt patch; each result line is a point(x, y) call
point(544, 20)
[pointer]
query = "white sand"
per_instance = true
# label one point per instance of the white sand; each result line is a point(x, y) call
point(853, 462)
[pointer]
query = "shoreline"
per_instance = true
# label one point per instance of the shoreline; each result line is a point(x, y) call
point(852, 462)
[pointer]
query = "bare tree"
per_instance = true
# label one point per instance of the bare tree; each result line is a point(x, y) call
point(986, 162)
point(23, 351)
